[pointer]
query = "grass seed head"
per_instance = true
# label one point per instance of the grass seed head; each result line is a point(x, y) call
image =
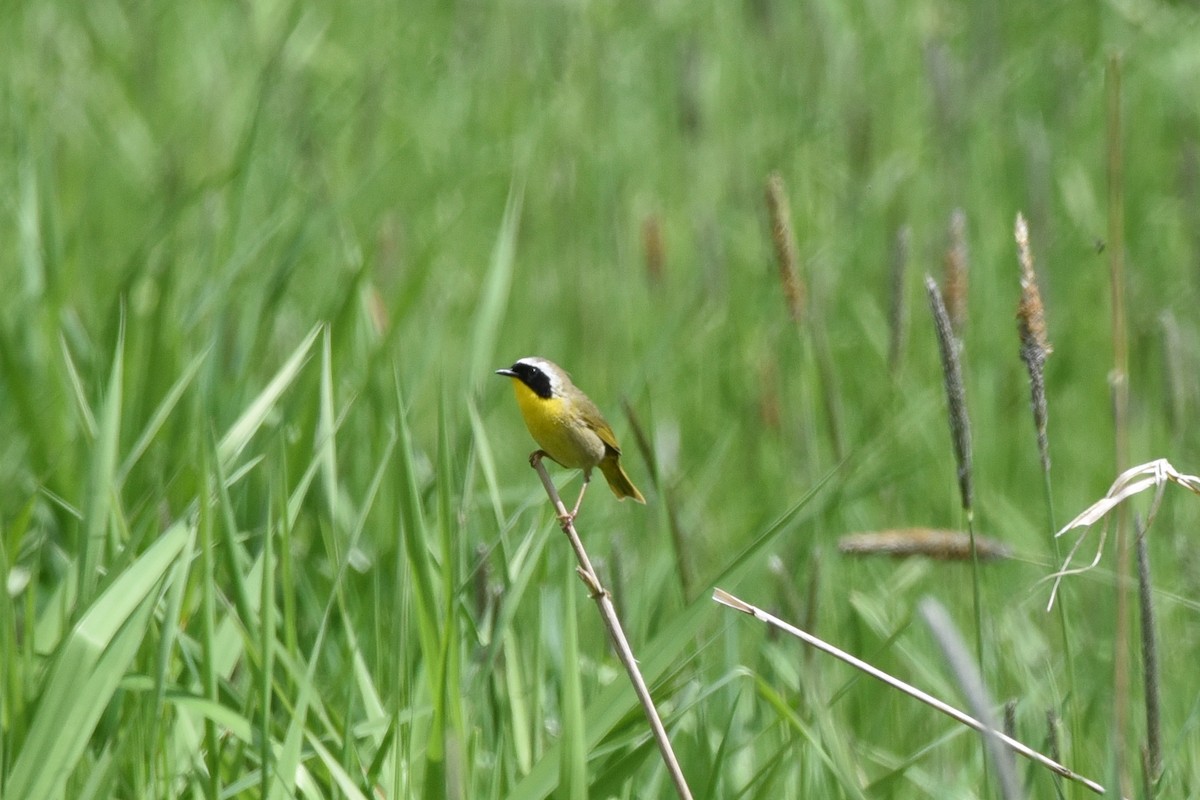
point(784, 238)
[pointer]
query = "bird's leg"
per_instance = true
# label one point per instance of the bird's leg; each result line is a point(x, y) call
point(587, 478)
point(538, 455)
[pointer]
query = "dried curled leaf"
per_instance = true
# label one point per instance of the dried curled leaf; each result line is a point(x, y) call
point(1156, 474)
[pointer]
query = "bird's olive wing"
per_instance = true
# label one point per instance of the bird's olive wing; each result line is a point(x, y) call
point(592, 417)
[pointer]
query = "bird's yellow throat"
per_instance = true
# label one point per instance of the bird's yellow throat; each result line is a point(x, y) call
point(542, 414)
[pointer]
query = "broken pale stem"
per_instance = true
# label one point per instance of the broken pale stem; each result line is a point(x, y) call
point(725, 598)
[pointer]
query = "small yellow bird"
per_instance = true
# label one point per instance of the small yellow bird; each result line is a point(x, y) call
point(567, 425)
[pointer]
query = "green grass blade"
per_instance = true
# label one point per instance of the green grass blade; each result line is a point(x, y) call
point(416, 535)
point(81, 400)
point(208, 619)
point(169, 636)
point(101, 485)
point(86, 671)
point(276, 778)
point(326, 444)
point(573, 780)
point(161, 414)
point(487, 462)
point(252, 418)
point(448, 716)
point(493, 296)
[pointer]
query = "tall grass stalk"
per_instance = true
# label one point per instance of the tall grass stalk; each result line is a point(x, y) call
point(573, 781)
point(1035, 349)
point(1119, 378)
point(666, 653)
point(960, 435)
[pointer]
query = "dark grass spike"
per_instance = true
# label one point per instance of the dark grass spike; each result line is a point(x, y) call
point(1035, 346)
point(1150, 671)
point(956, 396)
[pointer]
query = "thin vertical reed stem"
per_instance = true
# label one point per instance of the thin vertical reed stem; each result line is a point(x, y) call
point(1120, 404)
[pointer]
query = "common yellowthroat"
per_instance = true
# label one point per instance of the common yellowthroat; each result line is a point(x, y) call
point(567, 425)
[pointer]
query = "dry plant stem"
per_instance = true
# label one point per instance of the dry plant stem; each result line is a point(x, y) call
point(725, 598)
point(609, 614)
point(1151, 475)
point(1120, 400)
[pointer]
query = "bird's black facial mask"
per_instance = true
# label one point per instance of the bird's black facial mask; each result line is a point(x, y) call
point(534, 378)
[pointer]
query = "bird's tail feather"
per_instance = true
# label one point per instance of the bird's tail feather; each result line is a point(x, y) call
point(618, 481)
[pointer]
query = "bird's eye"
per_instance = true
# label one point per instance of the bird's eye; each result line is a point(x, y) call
point(537, 380)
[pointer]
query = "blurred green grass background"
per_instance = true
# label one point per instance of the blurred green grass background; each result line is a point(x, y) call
point(348, 584)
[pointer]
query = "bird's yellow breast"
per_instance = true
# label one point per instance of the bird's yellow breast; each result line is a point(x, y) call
point(558, 430)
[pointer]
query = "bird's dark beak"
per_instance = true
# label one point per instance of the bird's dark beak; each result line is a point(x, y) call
point(506, 372)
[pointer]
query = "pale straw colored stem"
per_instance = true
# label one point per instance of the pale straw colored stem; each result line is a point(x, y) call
point(725, 598)
point(609, 614)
